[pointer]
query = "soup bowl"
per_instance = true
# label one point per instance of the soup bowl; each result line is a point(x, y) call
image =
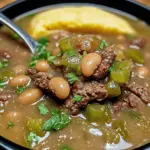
point(128, 8)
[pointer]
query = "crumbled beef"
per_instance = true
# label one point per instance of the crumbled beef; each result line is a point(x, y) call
point(136, 98)
point(41, 79)
point(139, 91)
point(120, 104)
point(89, 91)
point(134, 101)
point(139, 42)
point(108, 57)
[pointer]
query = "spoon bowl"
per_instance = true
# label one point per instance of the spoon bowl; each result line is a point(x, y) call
point(32, 44)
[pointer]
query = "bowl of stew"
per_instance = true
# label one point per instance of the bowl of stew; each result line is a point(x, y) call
point(86, 87)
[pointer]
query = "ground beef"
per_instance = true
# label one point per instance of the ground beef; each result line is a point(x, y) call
point(117, 106)
point(139, 91)
point(136, 98)
point(108, 57)
point(89, 91)
point(41, 79)
point(139, 42)
point(134, 101)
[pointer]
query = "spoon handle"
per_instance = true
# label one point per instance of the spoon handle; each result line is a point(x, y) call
point(26, 38)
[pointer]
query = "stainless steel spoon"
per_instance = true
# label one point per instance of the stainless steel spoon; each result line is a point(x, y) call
point(32, 44)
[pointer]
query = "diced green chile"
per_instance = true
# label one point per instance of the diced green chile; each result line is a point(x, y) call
point(35, 125)
point(66, 44)
point(6, 74)
point(135, 55)
point(98, 113)
point(113, 88)
point(120, 72)
point(72, 62)
point(120, 127)
point(110, 136)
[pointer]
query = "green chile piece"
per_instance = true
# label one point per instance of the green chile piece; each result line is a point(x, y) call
point(6, 74)
point(111, 136)
point(35, 125)
point(72, 62)
point(66, 44)
point(98, 113)
point(135, 55)
point(120, 71)
point(121, 128)
point(113, 88)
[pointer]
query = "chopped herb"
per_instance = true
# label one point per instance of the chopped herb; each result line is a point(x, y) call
point(77, 98)
point(43, 109)
point(32, 137)
point(65, 148)
point(43, 41)
point(32, 64)
point(72, 77)
point(20, 90)
point(15, 36)
point(58, 120)
point(59, 54)
point(2, 84)
point(10, 124)
point(84, 53)
point(3, 63)
point(51, 59)
point(71, 53)
point(103, 44)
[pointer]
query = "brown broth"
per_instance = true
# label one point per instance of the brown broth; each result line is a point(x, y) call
point(80, 134)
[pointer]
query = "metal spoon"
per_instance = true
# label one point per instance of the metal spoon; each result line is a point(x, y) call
point(32, 44)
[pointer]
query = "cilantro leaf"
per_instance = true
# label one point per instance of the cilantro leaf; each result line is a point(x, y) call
point(71, 53)
point(32, 64)
point(51, 59)
point(20, 90)
point(43, 109)
point(2, 83)
point(65, 148)
point(84, 53)
point(3, 63)
point(43, 41)
point(77, 98)
point(58, 120)
point(10, 124)
point(72, 77)
point(32, 137)
point(103, 44)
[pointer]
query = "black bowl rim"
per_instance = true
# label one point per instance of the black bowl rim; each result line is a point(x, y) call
point(8, 145)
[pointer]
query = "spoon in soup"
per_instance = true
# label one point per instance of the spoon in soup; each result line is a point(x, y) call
point(32, 44)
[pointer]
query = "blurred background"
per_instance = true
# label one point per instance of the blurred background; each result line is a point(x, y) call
point(6, 2)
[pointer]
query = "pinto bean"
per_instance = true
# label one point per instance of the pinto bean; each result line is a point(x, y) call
point(30, 96)
point(19, 80)
point(14, 116)
point(143, 71)
point(42, 66)
point(60, 87)
point(89, 63)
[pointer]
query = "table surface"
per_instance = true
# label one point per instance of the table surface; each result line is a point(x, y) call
point(6, 2)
